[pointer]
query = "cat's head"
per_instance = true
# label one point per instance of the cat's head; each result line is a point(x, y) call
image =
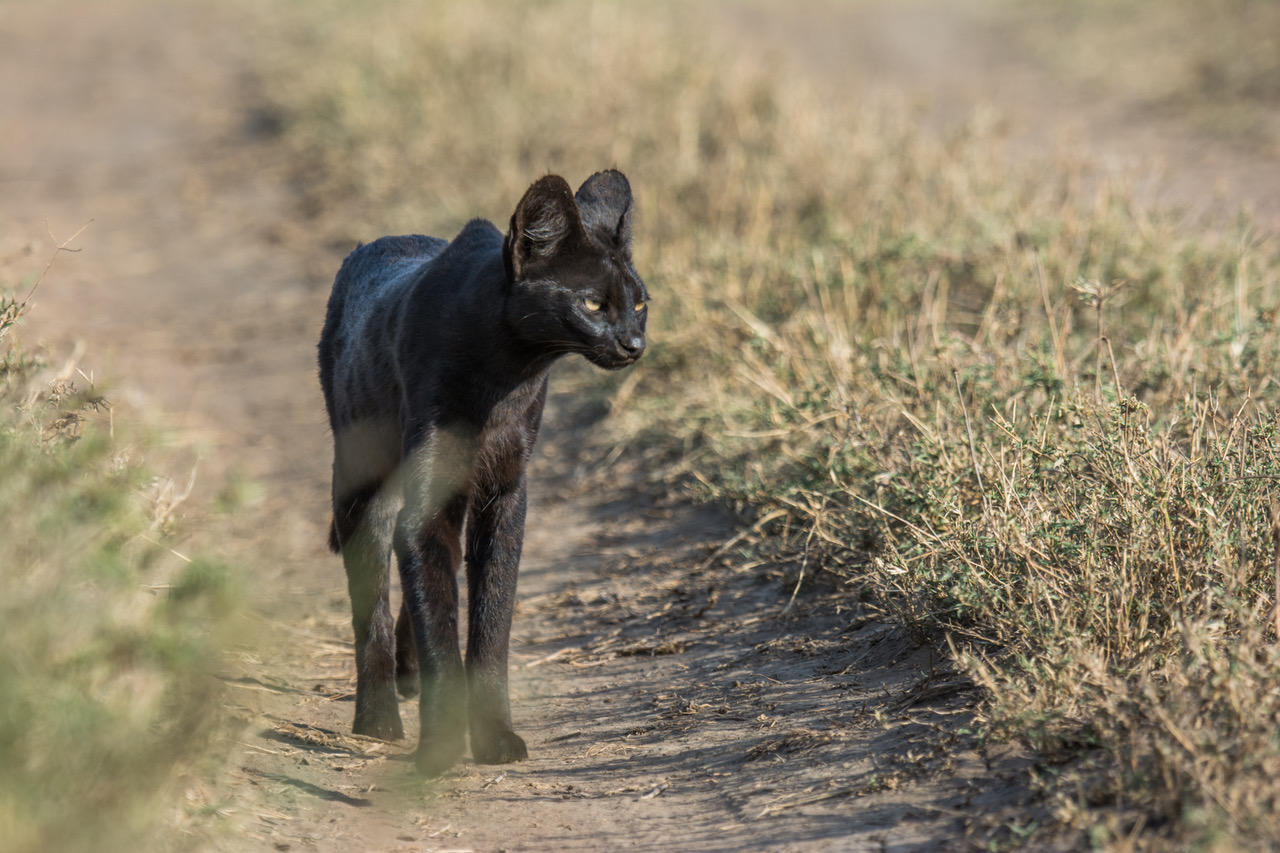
point(568, 257)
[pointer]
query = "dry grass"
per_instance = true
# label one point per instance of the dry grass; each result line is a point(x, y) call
point(1215, 63)
point(1035, 422)
point(108, 637)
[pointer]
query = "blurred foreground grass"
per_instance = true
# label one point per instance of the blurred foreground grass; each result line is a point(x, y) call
point(1026, 418)
point(107, 639)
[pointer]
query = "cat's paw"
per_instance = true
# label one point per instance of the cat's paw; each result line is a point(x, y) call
point(407, 684)
point(436, 755)
point(498, 746)
point(383, 724)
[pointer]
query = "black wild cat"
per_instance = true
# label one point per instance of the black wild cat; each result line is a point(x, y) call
point(434, 361)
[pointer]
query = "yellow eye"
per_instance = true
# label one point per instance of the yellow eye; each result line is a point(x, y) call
point(591, 305)
point(639, 307)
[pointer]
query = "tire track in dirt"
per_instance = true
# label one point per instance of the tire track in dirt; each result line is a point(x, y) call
point(667, 702)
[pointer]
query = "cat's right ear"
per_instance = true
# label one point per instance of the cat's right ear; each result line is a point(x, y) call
point(546, 222)
point(605, 202)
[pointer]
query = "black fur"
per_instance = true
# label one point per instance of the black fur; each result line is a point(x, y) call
point(434, 361)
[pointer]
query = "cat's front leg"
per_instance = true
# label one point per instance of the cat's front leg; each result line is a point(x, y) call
point(429, 550)
point(495, 533)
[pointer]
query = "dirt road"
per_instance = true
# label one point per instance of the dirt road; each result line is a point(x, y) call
point(667, 701)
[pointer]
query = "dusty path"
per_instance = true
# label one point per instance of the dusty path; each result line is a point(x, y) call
point(667, 702)
point(663, 705)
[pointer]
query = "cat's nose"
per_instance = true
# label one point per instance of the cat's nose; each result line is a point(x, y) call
point(633, 345)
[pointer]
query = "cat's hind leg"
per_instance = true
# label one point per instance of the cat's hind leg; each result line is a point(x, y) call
point(365, 526)
point(364, 523)
point(406, 653)
point(365, 503)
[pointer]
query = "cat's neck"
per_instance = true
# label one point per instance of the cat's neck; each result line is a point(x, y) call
point(488, 342)
point(460, 317)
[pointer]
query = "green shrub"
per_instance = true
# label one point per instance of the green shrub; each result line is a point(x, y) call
point(108, 638)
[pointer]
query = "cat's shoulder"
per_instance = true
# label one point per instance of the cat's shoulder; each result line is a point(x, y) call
point(387, 250)
point(471, 251)
point(478, 233)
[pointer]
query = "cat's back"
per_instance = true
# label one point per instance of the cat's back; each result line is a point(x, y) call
point(373, 269)
point(369, 278)
point(380, 272)
point(362, 305)
point(385, 286)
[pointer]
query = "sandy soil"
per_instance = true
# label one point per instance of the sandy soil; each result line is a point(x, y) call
point(667, 701)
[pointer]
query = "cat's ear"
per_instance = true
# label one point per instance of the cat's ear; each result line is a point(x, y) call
point(546, 222)
point(605, 202)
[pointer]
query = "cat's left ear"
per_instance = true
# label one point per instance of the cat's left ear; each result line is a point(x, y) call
point(604, 201)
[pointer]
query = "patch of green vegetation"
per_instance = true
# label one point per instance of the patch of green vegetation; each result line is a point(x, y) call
point(108, 639)
point(1027, 419)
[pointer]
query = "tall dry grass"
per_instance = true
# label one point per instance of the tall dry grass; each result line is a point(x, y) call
point(1019, 413)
